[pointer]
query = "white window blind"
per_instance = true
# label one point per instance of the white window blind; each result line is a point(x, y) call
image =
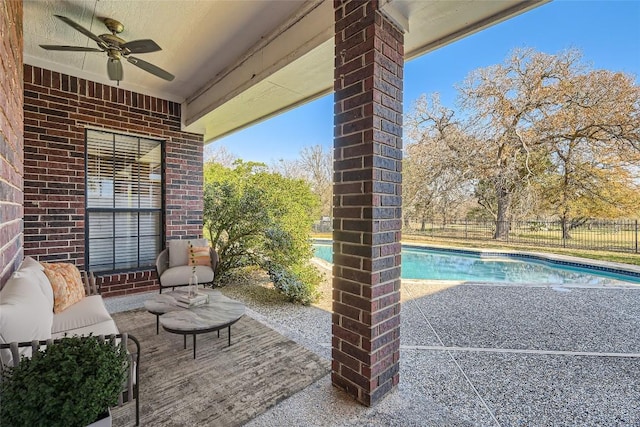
point(124, 201)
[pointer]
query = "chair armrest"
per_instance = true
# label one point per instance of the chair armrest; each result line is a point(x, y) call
point(162, 262)
point(132, 384)
point(90, 284)
point(14, 347)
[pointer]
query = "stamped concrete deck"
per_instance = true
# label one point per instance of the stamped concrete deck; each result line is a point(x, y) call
point(483, 355)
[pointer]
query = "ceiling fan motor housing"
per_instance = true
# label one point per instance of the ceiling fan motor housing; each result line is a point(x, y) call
point(111, 40)
point(114, 54)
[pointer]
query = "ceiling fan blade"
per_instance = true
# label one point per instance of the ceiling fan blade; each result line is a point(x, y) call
point(70, 48)
point(80, 28)
point(153, 69)
point(114, 69)
point(141, 46)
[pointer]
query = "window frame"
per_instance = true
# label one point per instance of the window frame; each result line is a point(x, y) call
point(114, 210)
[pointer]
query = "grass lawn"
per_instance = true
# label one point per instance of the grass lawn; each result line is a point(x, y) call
point(625, 258)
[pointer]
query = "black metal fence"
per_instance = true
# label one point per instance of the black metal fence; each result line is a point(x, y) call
point(322, 227)
point(617, 236)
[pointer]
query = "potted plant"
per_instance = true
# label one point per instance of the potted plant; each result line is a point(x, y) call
point(70, 383)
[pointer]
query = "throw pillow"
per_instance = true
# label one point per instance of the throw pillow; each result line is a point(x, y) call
point(25, 315)
point(31, 263)
point(179, 250)
point(199, 255)
point(66, 283)
point(32, 269)
point(177, 253)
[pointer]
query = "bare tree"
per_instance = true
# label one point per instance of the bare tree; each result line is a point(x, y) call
point(593, 134)
point(314, 165)
point(219, 154)
point(538, 134)
point(317, 162)
point(288, 168)
point(503, 103)
point(435, 168)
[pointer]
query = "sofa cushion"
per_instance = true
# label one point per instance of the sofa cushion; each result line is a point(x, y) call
point(66, 283)
point(107, 327)
point(178, 276)
point(25, 314)
point(86, 312)
point(200, 255)
point(30, 268)
point(179, 251)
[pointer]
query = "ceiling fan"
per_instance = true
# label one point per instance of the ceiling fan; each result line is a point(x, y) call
point(116, 49)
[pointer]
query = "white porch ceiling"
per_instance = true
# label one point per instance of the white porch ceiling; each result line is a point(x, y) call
point(237, 62)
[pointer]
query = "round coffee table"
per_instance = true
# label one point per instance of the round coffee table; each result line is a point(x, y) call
point(219, 313)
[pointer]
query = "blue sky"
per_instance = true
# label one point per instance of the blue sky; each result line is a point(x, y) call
point(607, 33)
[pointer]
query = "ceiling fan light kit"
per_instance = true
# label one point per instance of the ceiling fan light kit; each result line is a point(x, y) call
point(116, 48)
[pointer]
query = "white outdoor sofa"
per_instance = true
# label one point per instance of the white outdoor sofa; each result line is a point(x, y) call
point(27, 322)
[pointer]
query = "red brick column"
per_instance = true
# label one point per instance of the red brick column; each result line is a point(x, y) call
point(11, 138)
point(367, 201)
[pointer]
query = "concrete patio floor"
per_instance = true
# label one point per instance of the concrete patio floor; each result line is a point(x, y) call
point(484, 355)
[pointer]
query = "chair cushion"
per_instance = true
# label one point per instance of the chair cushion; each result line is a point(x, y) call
point(178, 276)
point(86, 312)
point(179, 251)
point(25, 315)
point(107, 327)
point(200, 255)
point(66, 283)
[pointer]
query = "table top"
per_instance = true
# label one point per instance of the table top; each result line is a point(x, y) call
point(219, 312)
point(166, 302)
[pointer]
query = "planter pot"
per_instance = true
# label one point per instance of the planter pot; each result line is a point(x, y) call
point(103, 421)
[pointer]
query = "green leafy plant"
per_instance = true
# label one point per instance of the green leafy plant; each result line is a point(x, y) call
point(259, 218)
point(296, 283)
point(70, 383)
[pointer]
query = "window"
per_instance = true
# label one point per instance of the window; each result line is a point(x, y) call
point(123, 201)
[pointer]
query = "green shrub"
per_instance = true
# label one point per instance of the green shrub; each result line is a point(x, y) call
point(70, 383)
point(259, 218)
point(299, 283)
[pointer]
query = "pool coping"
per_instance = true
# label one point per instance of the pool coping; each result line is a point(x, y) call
point(553, 259)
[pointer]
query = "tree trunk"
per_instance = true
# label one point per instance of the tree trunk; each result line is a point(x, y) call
point(502, 217)
point(566, 227)
point(423, 226)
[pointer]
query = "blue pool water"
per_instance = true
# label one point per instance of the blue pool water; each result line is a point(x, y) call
point(433, 264)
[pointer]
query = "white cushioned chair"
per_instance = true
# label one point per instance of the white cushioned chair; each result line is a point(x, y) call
point(172, 264)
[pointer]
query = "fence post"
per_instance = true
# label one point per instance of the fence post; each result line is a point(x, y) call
point(636, 236)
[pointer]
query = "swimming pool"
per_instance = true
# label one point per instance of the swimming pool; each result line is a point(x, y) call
point(496, 267)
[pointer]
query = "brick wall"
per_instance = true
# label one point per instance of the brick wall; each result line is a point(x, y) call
point(11, 138)
point(57, 108)
point(367, 201)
